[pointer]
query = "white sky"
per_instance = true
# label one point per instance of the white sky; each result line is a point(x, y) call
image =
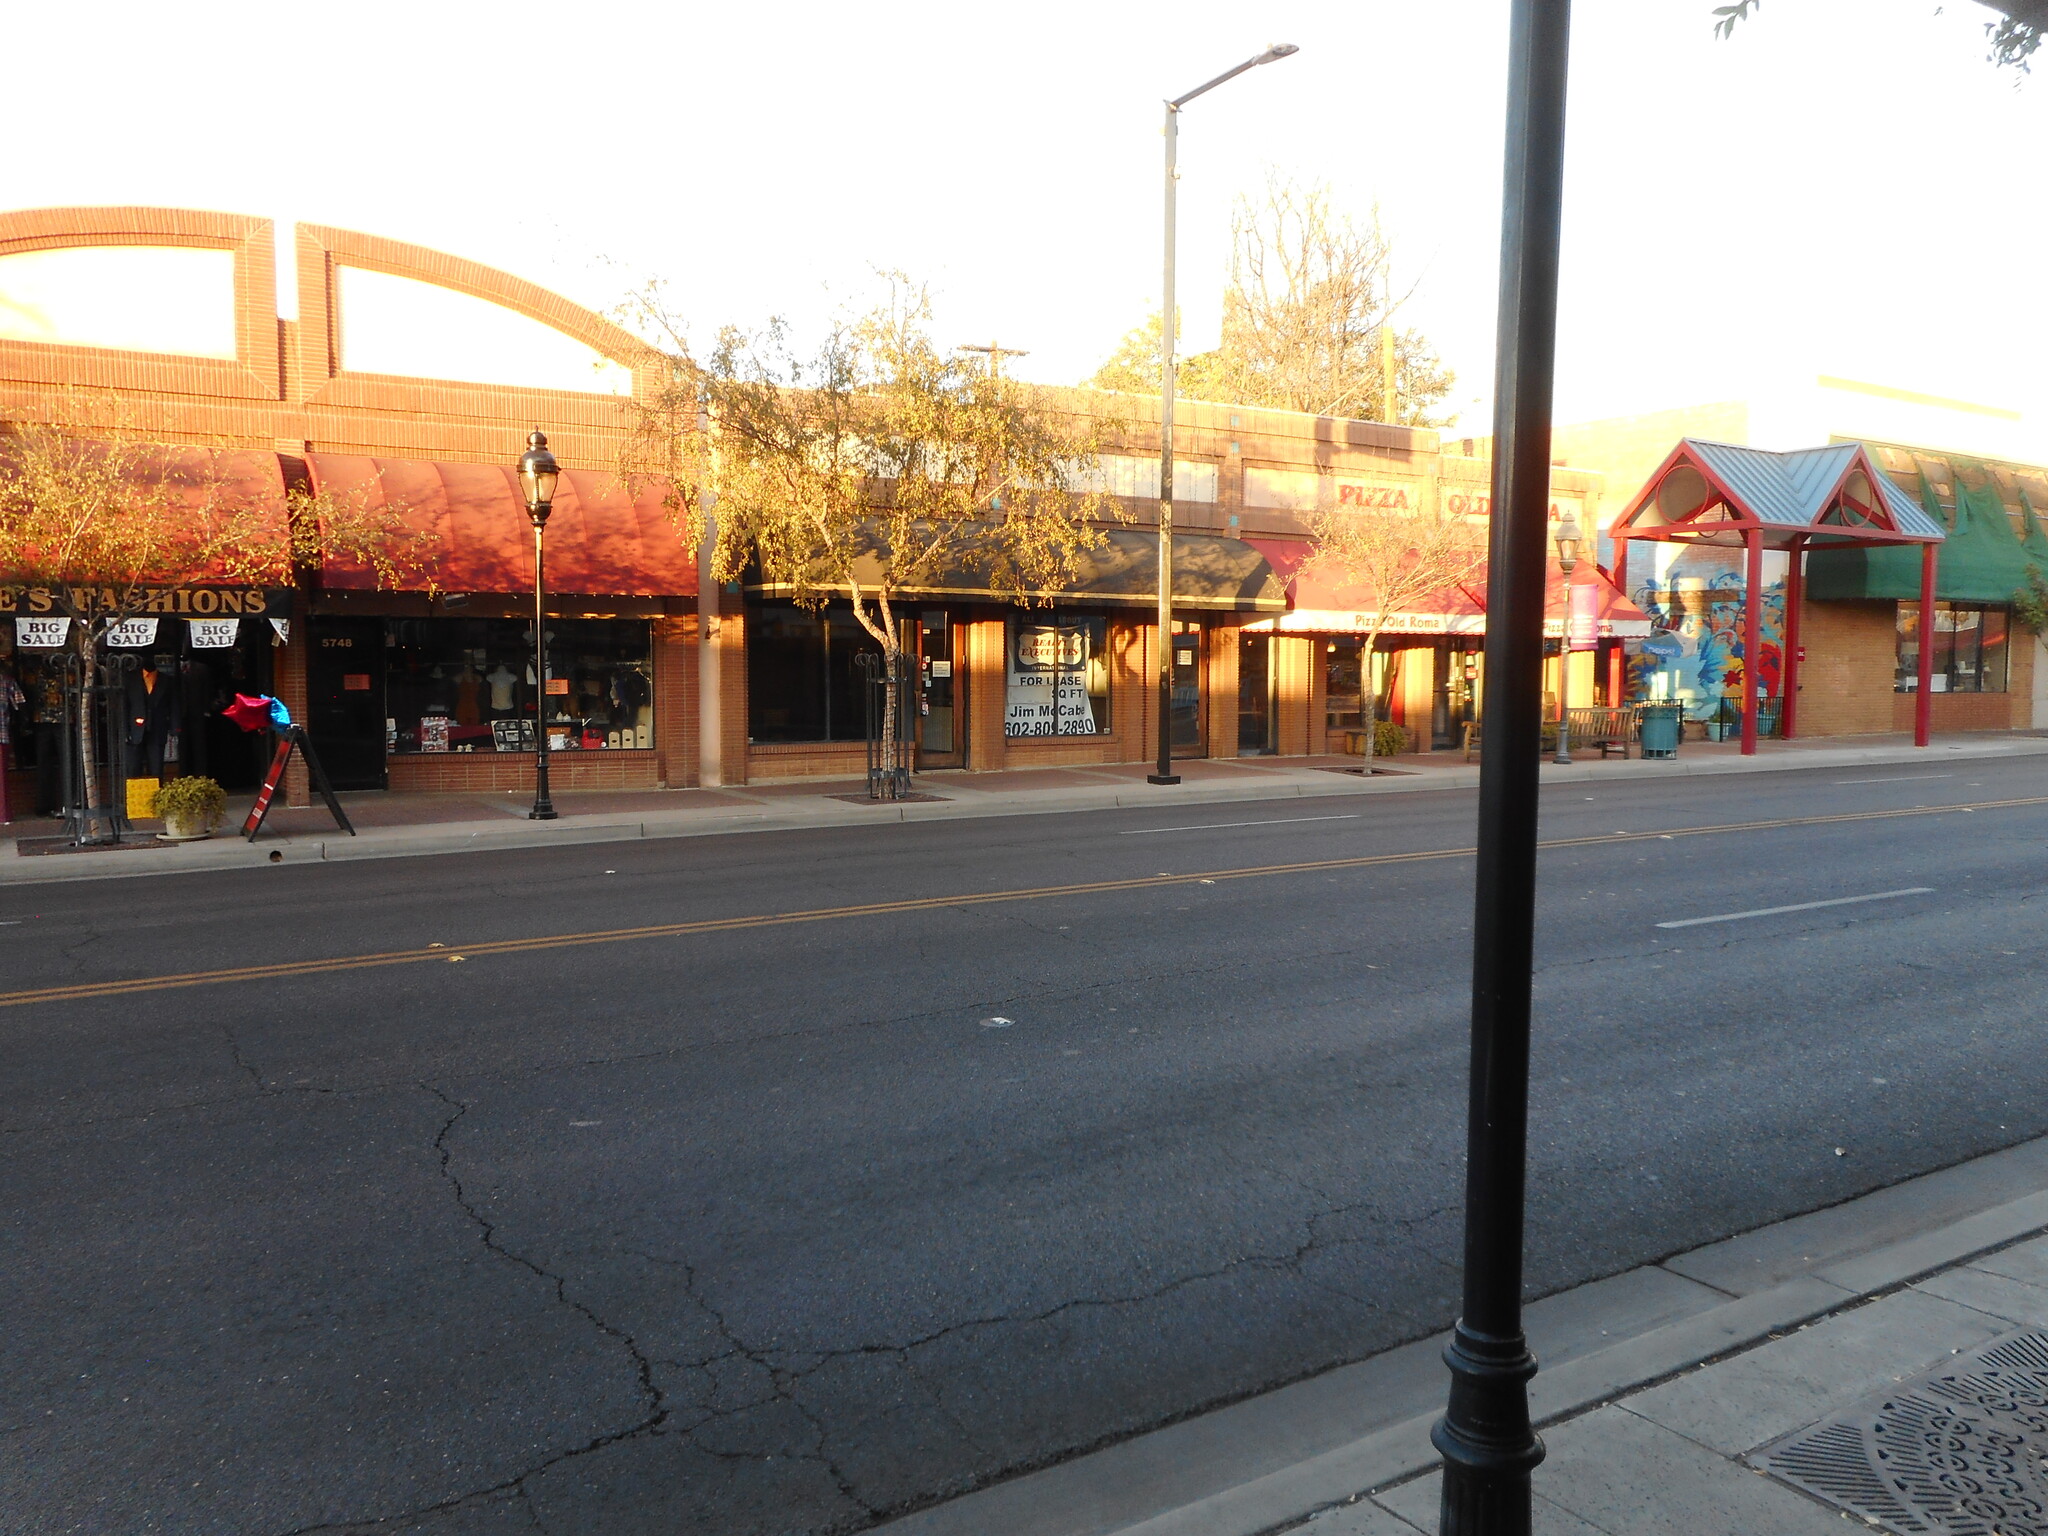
point(1847, 187)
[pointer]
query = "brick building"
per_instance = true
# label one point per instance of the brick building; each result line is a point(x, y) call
point(1857, 624)
point(664, 680)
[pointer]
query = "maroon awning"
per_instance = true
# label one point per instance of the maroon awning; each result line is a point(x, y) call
point(601, 540)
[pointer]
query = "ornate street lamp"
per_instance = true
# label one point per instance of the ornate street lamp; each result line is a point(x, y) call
point(537, 476)
point(1163, 772)
point(1567, 560)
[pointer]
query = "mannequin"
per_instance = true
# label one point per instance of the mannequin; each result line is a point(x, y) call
point(150, 715)
point(501, 678)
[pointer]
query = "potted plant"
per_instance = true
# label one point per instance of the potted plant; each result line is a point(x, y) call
point(191, 807)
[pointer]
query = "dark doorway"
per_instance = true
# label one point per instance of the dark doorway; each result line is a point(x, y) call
point(1189, 739)
point(345, 699)
point(1255, 712)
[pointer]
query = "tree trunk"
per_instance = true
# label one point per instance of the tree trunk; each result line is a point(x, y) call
point(88, 768)
point(883, 631)
point(1369, 698)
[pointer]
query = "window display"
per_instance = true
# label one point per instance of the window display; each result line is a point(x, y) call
point(1059, 676)
point(468, 685)
point(1969, 648)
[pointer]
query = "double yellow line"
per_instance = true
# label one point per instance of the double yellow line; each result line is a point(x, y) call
point(445, 954)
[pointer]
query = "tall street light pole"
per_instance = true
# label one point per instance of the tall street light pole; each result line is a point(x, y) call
point(1487, 1442)
point(537, 475)
point(1567, 562)
point(1164, 773)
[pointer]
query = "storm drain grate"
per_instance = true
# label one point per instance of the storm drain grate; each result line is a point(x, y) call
point(1959, 1451)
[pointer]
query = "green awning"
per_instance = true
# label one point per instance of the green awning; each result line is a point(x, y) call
point(1981, 561)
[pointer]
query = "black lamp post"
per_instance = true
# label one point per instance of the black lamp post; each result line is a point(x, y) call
point(537, 476)
point(1489, 1445)
point(1567, 538)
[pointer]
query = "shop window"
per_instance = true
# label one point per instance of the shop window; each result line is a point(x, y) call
point(803, 681)
point(468, 685)
point(1970, 647)
point(1343, 686)
point(1123, 474)
point(1058, 675)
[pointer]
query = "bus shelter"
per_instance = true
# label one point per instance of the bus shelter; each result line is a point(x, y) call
point(1724, 496)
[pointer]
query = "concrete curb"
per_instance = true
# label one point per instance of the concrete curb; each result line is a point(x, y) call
point(1230, 1472)
point(967, 803)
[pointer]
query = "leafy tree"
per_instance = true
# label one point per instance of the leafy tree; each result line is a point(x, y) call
point(2014, 36)
point(2030, 603)
point(1308, 318)
point(105, 519)
point(1400, 559)
point(873, 465)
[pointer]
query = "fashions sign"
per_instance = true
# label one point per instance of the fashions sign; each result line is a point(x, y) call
point(181, 602)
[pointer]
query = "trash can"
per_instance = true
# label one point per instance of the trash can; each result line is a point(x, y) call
point(1659, 730)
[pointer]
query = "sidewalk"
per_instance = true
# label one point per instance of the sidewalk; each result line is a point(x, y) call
point(1686, 1398)
point(406, 825)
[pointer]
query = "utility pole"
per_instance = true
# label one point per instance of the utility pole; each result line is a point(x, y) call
point(996, 353)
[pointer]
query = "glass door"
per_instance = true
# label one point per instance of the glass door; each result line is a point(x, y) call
point(1255, 712)
point(1189, 738)
point(941, 712)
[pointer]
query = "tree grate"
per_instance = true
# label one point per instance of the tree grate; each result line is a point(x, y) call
point(1961, 1450)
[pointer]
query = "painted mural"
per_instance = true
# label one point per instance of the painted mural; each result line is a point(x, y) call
point(1703, 616)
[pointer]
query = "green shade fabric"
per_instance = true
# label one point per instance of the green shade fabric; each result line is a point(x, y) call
point(1981, 561)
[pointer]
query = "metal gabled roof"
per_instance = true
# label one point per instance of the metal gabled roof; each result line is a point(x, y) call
point(1791, 489)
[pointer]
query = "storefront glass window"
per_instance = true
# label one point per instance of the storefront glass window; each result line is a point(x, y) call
point(1970, 647)
point(466, 685)
point(1058, 675)
point(803, 682)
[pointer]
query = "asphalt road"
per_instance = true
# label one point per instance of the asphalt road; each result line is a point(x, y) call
point(780, 1226)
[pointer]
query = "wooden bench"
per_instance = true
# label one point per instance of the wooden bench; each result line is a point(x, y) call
point(1598, 725)
point(1611, 729)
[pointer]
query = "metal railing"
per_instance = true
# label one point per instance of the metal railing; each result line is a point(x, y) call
point(891, 709)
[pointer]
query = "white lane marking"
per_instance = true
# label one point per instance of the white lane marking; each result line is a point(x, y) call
point(1211, 826)
point(1903, 778)
point(1803, 906)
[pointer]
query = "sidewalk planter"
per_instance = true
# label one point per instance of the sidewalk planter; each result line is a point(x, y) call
point(191, 808)
point(1660, 730)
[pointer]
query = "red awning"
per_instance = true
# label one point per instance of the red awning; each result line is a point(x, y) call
point(1320, 602)
point(601, 541)
point(202, 502)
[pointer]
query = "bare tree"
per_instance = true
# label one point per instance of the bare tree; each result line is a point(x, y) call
point(1400, 559)
point(1309, 321)
point(871, 466)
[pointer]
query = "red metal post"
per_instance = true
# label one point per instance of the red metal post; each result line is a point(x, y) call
point(1923, 697)
point(1617, 666)
point(1788, 675)
point(1752, 635)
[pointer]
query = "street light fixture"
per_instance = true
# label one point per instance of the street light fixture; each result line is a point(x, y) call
point(537, 475)
point(1164, 773)
point(1567, 561)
